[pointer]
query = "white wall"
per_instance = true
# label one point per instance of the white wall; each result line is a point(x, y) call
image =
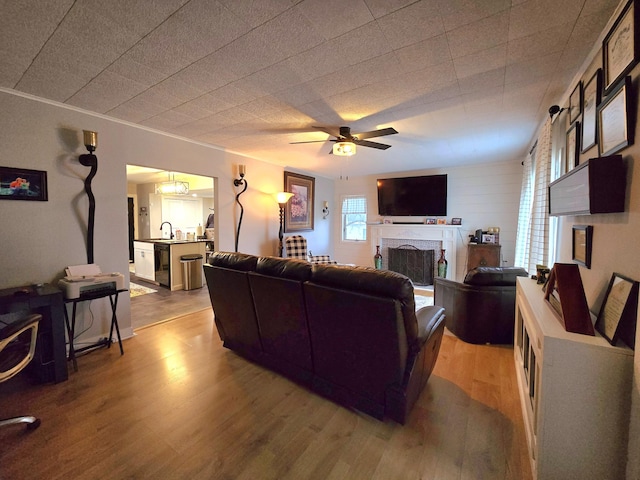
point(40, 239)
point(482, 195)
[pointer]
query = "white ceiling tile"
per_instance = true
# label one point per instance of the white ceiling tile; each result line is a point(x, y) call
point(457, 13)
point(475, 37)
point(482, 61)
point(536, 67)
point(426, 53)
point(412, 24)
point(332, 19)
point(257, 12)
point(105, 92)
point(540, 44)
point(482, 81)
point(533, 16)
point(379, 8)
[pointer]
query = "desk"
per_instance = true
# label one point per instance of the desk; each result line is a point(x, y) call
point(71, 323)
point(50, 364)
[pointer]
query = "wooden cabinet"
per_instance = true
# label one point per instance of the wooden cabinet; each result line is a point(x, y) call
point(575, 394)
point(143, 258)
point(483, 255)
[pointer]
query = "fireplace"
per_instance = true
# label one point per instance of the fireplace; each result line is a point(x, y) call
point(424, 237)
point(413, 262)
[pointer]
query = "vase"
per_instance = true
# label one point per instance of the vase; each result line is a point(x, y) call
point(442, 264)
point(377, 258)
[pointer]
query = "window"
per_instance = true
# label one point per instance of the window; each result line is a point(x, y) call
point(354, 218)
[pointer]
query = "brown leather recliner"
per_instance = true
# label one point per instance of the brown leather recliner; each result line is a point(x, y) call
point(482, 308)
point(235, 314)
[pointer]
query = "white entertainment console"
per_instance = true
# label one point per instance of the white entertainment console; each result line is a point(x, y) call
point(575, 392)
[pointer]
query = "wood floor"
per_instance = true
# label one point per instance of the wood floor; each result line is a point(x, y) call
point(165, 304)
point(178, 405)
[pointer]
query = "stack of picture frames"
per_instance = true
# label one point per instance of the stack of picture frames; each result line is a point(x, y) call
point(600, 108)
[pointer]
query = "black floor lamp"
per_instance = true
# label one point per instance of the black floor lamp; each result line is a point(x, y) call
point(282, 198)
point(90, 160)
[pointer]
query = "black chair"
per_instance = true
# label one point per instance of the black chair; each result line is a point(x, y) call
point(17, 349)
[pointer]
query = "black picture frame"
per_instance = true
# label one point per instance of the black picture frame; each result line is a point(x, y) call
point(299, 209)
point(620, 47)
point(616, 318)
point(23, 184)
point(581, 244)
point(575, 103)
point(456, 221)
point(614, 128)
point(573, 147)
point(591, 98)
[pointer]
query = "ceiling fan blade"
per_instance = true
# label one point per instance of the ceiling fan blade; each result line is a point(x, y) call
point(312, 141)
point(376, 133)
point(333, 131)
point(366, 143)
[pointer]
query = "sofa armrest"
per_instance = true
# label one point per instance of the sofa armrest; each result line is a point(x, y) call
point(429, 319)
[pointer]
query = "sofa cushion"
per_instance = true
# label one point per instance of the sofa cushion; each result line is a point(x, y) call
point(234, 261)
point(289, 268)
point(494, 276)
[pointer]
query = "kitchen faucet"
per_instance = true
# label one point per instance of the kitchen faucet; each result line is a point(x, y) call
point(170, 229)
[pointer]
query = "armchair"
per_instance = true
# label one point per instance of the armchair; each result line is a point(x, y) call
point(482, 308)
point(296, 247)
point(17, 349)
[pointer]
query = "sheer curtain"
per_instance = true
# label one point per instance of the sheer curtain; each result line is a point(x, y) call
point(532, 239)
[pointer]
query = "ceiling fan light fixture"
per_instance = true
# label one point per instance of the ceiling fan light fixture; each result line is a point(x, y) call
point(344, 149)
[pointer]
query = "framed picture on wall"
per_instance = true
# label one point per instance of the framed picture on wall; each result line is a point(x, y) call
point(299, 209)
point(620, 47)
point(591, 97)
point(614, 133)
point(581, 244)
point(23, 184)
point(573, 147)
point(575, 103)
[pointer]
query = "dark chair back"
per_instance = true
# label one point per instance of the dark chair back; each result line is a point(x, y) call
point(358, 332)
point(227, 277)
point(281, 313)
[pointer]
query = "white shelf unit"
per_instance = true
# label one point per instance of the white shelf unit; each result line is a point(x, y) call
point(575, 393)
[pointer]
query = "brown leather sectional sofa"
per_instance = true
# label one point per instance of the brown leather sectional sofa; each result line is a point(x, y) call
point(348, 333)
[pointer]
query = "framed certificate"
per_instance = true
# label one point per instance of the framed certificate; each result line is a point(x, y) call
point(620, 46)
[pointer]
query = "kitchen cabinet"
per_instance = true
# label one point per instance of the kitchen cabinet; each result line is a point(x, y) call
point(143, 259)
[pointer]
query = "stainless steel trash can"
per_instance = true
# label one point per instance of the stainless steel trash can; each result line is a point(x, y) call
point(191, 271)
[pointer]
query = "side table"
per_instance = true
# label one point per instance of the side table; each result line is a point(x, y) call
point(71, 323)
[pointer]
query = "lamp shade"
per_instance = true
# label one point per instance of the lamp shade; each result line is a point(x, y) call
point(282, 197)
point(90, 140)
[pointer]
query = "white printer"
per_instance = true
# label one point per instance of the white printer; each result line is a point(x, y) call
point(88, 280)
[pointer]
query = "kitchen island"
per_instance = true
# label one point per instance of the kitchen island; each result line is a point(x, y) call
point(158, 260)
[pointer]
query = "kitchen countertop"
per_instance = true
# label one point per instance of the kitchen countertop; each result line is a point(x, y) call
point(166, 241)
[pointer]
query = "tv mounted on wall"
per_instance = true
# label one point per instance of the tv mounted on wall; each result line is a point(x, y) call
point(413, 196)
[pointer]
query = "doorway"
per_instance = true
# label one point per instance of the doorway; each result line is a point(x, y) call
point(154, 303)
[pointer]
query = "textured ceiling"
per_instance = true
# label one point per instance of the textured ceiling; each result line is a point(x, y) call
point(463, 81)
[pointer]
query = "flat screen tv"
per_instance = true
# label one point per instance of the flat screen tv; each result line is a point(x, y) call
point(413, 196)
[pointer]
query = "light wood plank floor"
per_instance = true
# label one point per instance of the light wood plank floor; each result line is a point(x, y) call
point(178, 405)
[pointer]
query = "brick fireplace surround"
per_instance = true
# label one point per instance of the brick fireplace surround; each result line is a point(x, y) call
point(421, 236)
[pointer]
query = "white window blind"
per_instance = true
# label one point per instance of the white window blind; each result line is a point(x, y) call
point(354, 218)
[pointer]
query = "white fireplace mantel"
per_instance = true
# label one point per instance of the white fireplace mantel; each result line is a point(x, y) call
point(447, 234)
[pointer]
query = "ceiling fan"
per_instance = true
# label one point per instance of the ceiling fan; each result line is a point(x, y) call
point(346, 141)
